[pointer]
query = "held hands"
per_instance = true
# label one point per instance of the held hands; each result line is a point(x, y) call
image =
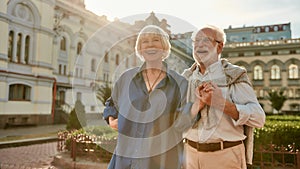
point(113, 123)
point(210, 94)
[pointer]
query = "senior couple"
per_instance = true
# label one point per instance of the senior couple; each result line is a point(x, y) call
point(202, 119)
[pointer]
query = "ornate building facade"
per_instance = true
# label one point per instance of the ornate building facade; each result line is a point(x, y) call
point(54, 52)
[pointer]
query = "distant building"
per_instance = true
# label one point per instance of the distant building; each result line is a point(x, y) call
point(258, 33)
point(271, 58)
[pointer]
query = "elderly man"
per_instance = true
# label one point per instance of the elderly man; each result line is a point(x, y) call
point(229, 107)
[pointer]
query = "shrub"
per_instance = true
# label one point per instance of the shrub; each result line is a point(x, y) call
point(77, 118)
point(279, 130)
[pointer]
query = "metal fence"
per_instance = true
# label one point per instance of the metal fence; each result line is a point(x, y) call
point(276, 157)
point(97, 148)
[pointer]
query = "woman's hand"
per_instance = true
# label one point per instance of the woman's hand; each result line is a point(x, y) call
point(113, 123)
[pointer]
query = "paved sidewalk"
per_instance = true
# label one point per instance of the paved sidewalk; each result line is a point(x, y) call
point(39, 153)
point(37, 156)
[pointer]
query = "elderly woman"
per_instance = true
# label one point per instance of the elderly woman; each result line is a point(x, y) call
point(148, 108)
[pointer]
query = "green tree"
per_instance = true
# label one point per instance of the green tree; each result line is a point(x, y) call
point(277, 98)
point(103, 93)
point(77, 119)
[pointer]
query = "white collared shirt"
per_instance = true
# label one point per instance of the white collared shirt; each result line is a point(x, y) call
point(223, 127)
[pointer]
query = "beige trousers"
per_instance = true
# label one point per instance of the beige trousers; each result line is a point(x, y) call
point(229, 158)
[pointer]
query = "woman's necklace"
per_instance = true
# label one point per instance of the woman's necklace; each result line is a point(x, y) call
point(151, 86)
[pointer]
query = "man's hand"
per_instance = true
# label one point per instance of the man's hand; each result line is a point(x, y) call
point(113, 123)
point(211, 94)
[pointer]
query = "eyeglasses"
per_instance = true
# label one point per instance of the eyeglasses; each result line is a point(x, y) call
point(205, 39)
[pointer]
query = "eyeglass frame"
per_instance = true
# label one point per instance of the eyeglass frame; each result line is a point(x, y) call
point(205, 39)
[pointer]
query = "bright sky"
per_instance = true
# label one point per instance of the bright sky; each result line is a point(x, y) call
point(186, 15)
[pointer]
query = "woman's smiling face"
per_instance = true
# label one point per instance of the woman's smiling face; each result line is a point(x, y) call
point(151, 47)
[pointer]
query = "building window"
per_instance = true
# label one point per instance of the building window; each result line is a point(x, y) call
point(62, 97)
point(275, 72)
point(284, 27)
point(267, 29)
point(258, 72)
point(27, 45)
point(106, 57)
point(127, 63)
point(65, 70)
point(79, 48)
point(24, 120)
point(275, 28)
point(11, 120)
point(258, 30)
point(291, 93)
point(19, 92)
point(293, 71)
point(10, 45)
point(19, 43)
point(59, 68)
point(93, 65)
point(63, 44)
point(105, 77)
point(117, 59)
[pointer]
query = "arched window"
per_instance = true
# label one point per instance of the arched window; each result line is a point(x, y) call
point(79, 47)
point(27, 45)
point(10, 45)
point(63, 44)
point(19, 43)
point(267, 29)
point(117, 59)
point(65, 69)
point(258, 73)
point(293, 71)
point(59, 69)
point(93, 65)
point(106, 57)
point(19, 92)
point(275, 72)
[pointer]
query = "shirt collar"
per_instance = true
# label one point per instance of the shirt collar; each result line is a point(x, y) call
point(211, 68)
point(214, 67)
point(139, 74)
point(140, 70)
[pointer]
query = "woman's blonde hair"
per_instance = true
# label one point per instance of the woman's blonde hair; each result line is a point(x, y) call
point(152, 29)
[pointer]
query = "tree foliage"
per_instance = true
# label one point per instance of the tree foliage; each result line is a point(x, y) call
point(277, 98)
point(77, 119)
point(103, 93)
